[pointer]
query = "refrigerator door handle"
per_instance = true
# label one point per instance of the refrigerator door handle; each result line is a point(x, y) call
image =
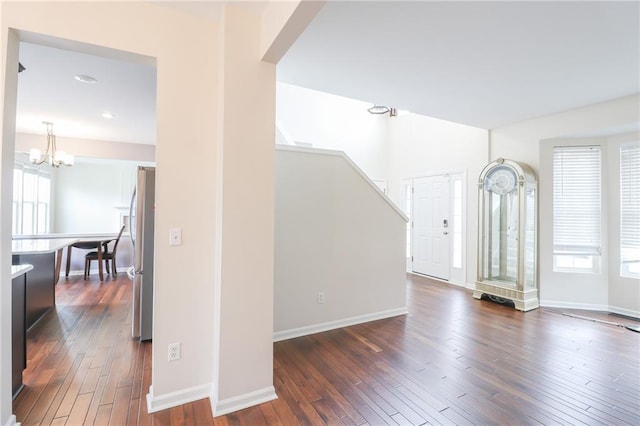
point(131, 228)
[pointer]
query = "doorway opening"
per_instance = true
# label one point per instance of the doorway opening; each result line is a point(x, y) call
point(109, 123)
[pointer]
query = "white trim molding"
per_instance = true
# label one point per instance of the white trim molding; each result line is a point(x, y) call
point(572, 305)
point(332, 325)
point(470, 286)
point(173, 399)
point(240, 402)
point(624, 311)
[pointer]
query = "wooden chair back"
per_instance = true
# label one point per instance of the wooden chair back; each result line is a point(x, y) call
point(115, 245)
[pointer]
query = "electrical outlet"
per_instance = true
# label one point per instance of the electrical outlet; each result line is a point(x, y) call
point(174, 351)
point(321, 297)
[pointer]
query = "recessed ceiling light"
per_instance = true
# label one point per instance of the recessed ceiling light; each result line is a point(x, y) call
point(108, 115)
point(85, 78)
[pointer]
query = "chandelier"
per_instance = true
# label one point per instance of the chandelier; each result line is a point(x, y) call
point(52, 156)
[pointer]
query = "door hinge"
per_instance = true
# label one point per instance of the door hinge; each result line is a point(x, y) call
point(412, 258)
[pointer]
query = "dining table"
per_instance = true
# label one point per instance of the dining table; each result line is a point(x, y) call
point(99, 244)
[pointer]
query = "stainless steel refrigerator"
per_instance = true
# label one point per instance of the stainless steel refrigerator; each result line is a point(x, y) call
point(141, 229)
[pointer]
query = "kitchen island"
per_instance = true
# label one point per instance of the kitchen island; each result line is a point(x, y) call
point(45, 255)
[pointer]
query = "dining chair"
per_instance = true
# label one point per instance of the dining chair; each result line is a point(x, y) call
point(106, 256)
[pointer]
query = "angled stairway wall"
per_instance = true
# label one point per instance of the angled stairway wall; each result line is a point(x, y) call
point(335, 233)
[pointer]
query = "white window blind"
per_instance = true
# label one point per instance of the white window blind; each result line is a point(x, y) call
point(31, 201)
point(576, 200)
point(630, 202)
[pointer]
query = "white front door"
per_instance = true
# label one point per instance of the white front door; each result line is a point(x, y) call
point(431, 223)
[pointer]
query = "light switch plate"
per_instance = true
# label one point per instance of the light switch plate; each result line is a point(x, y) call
point(175, 236)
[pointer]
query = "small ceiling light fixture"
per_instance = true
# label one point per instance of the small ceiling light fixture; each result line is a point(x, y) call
point(52, 156)
point(108, 115)
point(381, 109)
point(378, 109)
point(85, 79)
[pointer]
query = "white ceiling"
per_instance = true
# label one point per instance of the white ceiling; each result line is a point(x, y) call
point(48, 91)
point(484, 64)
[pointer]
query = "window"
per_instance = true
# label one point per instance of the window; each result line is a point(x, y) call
point(456, 258)
point(31, 201)
point(576, 208)
point(407, 187)
point(630, 210)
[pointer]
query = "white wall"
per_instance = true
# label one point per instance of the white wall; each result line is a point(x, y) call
point(421, 146)
point(89, 148)
point(203, 115)
point(90, 197)
point(187, 112)
point(334, 122)
point(526, 142)
point(8, 94)
point(521, 141)
point(335, 233)
point(246, 207)
point(387, 148)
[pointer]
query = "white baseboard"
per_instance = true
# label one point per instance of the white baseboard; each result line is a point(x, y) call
point(471, 286)
point(173, 399)
point(240, 402)
point(12, 421)
point(590, 307)
point(572, 305)
point(94, 272)
point(331, 325)
point(460, 284)
point(73, 273)
point(624, 311)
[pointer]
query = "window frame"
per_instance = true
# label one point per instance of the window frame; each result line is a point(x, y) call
point(633, 198)
point(581, 260)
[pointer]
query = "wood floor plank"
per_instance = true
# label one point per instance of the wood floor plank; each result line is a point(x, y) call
point(120, 408)
point(96, 396)
point(452, 360)
point(79, 410)
point(270, 415)
point(202, 412)
point(103, 415)
point(73, 390)
point(134, 408)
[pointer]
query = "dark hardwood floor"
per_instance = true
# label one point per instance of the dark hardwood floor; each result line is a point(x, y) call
point(452, 360)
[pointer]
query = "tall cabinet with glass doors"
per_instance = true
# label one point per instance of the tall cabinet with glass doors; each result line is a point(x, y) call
point(507, 240)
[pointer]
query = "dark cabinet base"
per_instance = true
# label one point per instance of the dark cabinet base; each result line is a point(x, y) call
point(40, 287)
point(18, 333)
